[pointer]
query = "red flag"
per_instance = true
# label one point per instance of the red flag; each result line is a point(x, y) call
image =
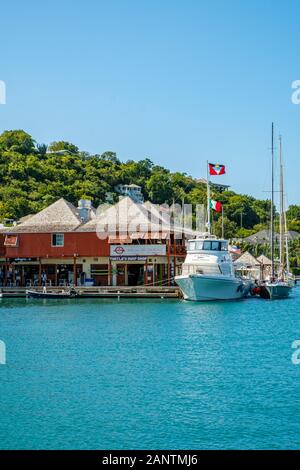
point(216, 169)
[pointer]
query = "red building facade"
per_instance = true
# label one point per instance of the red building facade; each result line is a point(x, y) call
point(59, 247)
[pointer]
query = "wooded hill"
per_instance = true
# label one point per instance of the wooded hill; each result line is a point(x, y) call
point(35, 175)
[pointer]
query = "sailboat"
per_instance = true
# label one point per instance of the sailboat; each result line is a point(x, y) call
point(280, 284)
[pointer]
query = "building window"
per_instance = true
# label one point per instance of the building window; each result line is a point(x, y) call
point(57, 239)
point(11, 241)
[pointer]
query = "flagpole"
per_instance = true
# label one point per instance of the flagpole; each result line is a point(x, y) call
point(222, 222)
point(208, 199)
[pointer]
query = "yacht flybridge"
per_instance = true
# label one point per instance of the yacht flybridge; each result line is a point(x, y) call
point(208, 272)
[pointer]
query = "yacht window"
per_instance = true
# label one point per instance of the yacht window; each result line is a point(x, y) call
point(192, 246)
point(199, 245)
point(207, 245)
point(215, 246)
point(224, 246)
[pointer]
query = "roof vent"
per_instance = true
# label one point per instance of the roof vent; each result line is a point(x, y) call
point(84, 209)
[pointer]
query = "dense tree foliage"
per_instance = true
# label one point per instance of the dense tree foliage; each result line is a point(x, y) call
point(293, 217)
point(62, 145)
point(33, 176)
point(17, 141)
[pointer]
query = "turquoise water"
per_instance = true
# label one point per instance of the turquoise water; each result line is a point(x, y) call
point(103, 374)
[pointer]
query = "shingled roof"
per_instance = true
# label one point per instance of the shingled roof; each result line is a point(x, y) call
point(61, 216)
point(130, 215)
point(126, 212)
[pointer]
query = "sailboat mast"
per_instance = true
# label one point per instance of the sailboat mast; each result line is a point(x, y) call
point(281, 240)
point(208, 200)
point(286, 241)
point(272, 205)
point(284, 222)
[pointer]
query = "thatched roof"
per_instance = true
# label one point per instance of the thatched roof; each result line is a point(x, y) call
point(264, 260)
point(264, 236)
point(246, 260)
point(130, 216)
point(61, 216)
point(293, 235)
point(124, 214)
point(25, 218)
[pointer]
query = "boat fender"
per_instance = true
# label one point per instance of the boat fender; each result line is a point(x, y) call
point(255, 291)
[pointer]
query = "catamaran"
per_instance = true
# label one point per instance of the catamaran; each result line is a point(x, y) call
point(208, 272)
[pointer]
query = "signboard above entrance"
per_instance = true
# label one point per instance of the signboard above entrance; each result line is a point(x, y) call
point(137, 250)
point(128, 258)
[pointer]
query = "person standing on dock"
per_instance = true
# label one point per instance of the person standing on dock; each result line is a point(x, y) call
point(44, 278)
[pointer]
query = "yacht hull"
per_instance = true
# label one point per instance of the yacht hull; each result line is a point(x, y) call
point(275, 291)
point(198, 287)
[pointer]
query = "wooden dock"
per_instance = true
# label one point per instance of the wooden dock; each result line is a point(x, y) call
point(150, 292)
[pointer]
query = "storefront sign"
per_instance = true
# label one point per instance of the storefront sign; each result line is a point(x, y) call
point(128, 258)
point(23, 260)
point(137, 250)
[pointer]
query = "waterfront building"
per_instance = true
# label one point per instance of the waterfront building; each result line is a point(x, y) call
point(256, 268)
point(62, 245)
point(131, 190)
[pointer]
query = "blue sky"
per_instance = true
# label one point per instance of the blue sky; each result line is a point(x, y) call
point(179, 82)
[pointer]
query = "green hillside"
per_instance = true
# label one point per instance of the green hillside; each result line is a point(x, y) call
point(34, 175)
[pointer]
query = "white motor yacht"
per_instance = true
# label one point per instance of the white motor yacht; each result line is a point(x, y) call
point(208, 272)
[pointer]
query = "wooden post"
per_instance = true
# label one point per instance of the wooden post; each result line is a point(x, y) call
point(153, 276)
point(55, 273)
point(75, 272)
point(40, 272)
point(146, 272)
point(5, 273)
point(175, 254)
point(22, 277)
point(109, 273)
point(169, 267)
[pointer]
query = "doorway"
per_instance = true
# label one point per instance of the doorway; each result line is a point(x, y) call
point(135, 274)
